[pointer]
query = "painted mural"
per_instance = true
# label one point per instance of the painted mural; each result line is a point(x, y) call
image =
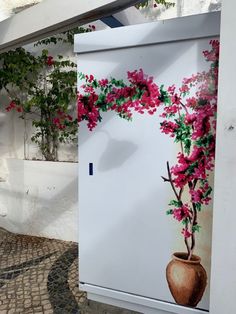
point(188, 116)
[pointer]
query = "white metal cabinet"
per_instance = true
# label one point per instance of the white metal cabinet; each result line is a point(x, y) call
point(126, 239)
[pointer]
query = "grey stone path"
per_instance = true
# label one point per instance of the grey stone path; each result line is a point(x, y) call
point(40, 275)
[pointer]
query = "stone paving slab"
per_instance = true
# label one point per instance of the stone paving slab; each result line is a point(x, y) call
point(40, 275)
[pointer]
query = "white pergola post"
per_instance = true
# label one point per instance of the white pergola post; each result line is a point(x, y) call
point(223, 279)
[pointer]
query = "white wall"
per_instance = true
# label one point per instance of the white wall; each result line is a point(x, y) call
point(37, 198)
point(8, 6)
point(40, 198)
point(181, 8)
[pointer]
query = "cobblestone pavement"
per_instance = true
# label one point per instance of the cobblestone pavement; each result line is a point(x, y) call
point(39, 275)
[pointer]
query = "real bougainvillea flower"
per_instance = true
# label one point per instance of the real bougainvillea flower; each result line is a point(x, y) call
point(49, 61)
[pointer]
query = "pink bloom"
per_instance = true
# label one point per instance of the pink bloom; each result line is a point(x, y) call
point(56, 121)
point(184, 89)
point(173, 109)
point(168, 127)
point(196, 154)
point(88, 89)
point(175, 99)
point(11, 106)
point(191, 102)
point(181, 212)
point(190, 118)
point(212, 55)
point(89, 78)
point(103, 82)
point(19, 109)
point(186, 233)
point(92, 27)
point(196, 196)
point(171, 89)
point(49, 61)
point(86, 108)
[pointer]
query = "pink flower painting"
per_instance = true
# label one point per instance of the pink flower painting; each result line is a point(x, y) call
point(190, 121)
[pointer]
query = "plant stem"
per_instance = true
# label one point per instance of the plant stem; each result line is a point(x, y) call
point(171, 181)
point(180, 193)
point(185, 108)
point(178, 197)
point(25, 135)
point(192, 185)
point(194, 222)
point(188, 248)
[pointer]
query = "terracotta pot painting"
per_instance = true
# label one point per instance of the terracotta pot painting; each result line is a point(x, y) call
point(187, 279)
point(188, 117)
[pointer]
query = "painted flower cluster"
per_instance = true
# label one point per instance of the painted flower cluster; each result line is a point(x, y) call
point(188, 116)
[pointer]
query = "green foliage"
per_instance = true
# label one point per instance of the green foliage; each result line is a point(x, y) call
point(183, 134)
point(19, 68)
point(145, 4)
point(175, 203)
point(64, 37)
point(196, 228)
point(185, 221)
point(164, 96)
point(198, 206)
point(208, 192)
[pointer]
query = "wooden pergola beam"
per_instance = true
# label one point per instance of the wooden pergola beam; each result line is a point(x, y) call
point(54, 16)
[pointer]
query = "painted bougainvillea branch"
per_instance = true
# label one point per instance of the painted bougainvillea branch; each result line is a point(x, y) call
point(188, 116)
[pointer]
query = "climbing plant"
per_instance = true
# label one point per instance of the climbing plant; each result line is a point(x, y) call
point(145, 4)
point(42, 89)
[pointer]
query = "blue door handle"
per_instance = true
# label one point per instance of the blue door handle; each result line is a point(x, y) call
point(91, 169)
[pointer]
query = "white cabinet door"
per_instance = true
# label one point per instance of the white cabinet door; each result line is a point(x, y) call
point(126, 239)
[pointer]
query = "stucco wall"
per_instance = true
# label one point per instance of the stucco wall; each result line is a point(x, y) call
point(181, 8)
point(9, 7)
point(40, 198)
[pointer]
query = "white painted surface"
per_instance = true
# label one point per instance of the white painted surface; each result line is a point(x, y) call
point(135, 302)
point(203, 25)
point(224, 238)
point(124, 304)
point(40, 198)
point(128, 226)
